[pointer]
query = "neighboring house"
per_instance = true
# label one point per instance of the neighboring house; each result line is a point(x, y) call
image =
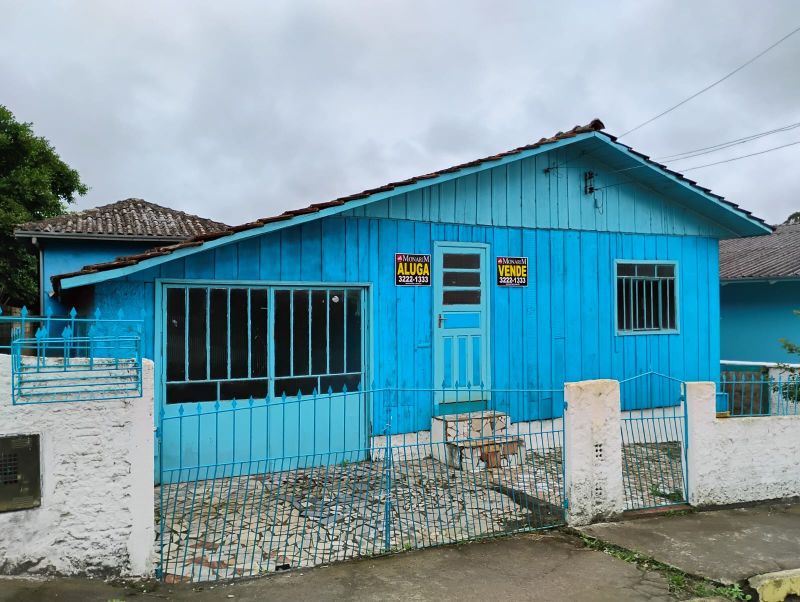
point(68, 242)
point(760, 292)
point(568, 259)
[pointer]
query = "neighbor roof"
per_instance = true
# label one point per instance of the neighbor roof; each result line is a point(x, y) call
point(743, 219)
point(773, 256)
point(133, 219)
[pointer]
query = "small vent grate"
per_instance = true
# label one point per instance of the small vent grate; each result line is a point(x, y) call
point(20, 480)
point(598, 451)
point(9, 469)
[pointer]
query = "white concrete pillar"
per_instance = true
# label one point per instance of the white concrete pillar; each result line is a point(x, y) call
point(701, 412)
point(592, 451)
point(141, 442)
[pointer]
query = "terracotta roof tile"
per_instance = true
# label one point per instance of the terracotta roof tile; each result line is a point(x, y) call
point(130, 218)
point(594, 126)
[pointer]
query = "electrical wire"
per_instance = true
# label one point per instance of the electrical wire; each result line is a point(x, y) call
point(769, 150)
point(723, 145)
point(707, 88)
point(729, 160)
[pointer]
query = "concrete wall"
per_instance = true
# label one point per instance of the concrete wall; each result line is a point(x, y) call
point(735, 460)
point(592, 451)
point(96, 515)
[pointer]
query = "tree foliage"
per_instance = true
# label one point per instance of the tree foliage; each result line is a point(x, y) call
point(793, 219)
point(34, 184)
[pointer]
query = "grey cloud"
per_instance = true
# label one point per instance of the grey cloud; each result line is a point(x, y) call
point(241, 109)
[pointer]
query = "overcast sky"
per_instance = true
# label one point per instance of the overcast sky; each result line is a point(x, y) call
point(236, 110)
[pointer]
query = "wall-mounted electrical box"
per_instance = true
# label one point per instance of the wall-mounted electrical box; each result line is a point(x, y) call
point(20, 478)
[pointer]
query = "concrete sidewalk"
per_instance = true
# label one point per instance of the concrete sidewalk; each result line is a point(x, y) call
point(547, 567)
point(727, 546)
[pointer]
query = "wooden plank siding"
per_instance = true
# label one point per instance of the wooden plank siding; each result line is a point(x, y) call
point(560, 328)
point(524, 194)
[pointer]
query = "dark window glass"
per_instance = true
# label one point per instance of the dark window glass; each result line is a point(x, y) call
point(319, 332)
point(300, 332)
point(239, 335)
point(258, 332)
point(305, 385)
point(626, 269)
point(646, 302)
point(336, 332)
point(218, 332)
point(176, 333)
point(461, 297)
point(461, 261)
point(337, 383)
point(282, 333)
point(622, 304)
point(191, 392)
point(461, 278)
point(197, 334)
point(354, 334)
point(646, 269)
point(244, 389)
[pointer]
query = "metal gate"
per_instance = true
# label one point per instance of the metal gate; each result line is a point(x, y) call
point(653, 428)
point(474, 475)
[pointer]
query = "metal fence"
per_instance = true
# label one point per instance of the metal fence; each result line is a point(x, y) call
point(653, 441)
point(743, 394)
point(56, 359)
point(262, 506)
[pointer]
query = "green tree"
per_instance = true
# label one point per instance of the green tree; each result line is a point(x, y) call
point(34, 184)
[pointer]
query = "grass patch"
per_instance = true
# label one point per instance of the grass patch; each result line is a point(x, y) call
point(680, 583)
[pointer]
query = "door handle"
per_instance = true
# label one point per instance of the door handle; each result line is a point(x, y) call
point(441, 320)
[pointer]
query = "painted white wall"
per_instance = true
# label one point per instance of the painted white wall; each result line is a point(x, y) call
point(738, 459)
point(96, 515)
point(593, 451)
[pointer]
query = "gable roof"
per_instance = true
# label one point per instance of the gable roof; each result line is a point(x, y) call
point(775, 256)
point(130, 219)
point(739, 221)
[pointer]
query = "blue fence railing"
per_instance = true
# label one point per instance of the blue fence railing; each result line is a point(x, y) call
point(67, 358)
point(251, 487)
point(759, 394)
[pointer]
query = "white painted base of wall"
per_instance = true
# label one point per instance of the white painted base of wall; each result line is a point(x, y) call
point(739, 459)
point(96, 515)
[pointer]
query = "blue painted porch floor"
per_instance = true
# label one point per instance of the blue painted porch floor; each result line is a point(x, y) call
point(253, 525)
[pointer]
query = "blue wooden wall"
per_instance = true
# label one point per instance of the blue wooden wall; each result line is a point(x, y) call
point(547, 191)
point(755, 316)
point(62, 256)
point(560, 328)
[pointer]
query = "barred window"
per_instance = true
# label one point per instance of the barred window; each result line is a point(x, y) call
point(646, 297)
point(317, 340)
point(222, 342)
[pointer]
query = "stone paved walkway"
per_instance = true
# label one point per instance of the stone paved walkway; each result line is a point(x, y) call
point(256, 524)
point(652, 474)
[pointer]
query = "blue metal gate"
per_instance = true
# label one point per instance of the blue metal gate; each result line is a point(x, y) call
point(653, 428)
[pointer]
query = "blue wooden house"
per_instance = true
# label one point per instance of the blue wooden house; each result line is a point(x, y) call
point(68, 242)
point(571, 258)
point(760, 294)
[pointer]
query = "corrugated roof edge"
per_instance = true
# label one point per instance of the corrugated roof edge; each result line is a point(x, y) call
point(594, 126)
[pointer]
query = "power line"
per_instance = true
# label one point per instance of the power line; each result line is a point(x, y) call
point(719, 81)
point(769, 150)
point(723, 145)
